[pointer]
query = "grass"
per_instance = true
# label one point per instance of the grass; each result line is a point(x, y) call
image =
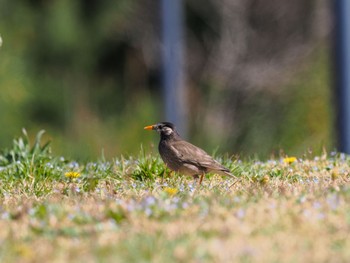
point(132, 210)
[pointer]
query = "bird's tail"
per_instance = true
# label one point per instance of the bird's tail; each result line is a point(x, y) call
point(224, 171)
point(227, 172)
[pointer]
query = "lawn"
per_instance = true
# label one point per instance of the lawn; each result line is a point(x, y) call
point(130, 209)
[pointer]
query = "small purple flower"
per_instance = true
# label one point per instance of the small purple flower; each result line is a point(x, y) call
point(333, 201)
point(240, 214)
point(316, 205)
point(149, 200)
point(185, 205)
point(148, 211)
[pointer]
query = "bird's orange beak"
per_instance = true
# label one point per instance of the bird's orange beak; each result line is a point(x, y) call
point(150, 127)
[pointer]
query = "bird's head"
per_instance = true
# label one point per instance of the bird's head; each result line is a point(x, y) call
point(164, 128)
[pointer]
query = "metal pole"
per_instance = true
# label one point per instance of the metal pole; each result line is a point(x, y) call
point(342, 56)
point(173, 64)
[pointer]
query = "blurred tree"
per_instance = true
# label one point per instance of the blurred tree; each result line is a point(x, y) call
point(242, 55)
point(88, 72)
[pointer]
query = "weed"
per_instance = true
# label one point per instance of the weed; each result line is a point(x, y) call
point(132, 209)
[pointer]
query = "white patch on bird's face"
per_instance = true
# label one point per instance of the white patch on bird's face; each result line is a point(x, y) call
point(167, 130)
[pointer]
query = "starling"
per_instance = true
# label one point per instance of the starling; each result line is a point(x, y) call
point(182, 156)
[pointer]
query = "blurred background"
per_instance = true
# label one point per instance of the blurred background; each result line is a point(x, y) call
point(258, 75)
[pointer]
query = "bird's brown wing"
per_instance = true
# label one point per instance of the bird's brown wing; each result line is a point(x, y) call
point(191, 154)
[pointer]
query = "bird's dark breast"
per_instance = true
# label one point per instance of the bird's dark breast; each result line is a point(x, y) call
point(169, 156)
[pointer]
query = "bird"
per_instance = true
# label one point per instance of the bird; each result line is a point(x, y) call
point(183, 157)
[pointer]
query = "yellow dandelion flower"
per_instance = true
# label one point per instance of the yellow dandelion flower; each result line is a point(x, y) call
point(335, 174)
point(289, 160)
point(170, 191)
point(72, 174)
point(24, 251)
point(265, 180)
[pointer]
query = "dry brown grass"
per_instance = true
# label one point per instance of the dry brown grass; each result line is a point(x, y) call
point(277, 212)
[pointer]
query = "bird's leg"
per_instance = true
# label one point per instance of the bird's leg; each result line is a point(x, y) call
point(201, 178)
point(163, 174)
